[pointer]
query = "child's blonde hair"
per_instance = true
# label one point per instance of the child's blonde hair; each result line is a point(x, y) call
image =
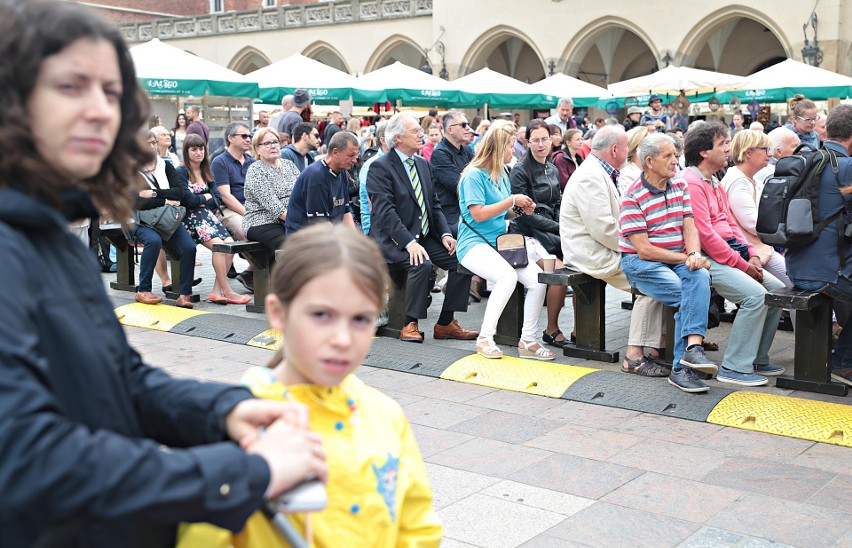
point(322, 248)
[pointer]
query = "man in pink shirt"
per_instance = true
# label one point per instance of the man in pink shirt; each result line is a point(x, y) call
point(734, 266)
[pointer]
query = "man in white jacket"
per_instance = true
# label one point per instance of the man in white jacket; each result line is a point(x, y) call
point(588, 226)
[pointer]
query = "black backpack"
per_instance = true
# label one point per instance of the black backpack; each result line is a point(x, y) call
point(788, 209)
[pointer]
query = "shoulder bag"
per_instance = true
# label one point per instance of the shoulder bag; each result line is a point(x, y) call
point(164, 219)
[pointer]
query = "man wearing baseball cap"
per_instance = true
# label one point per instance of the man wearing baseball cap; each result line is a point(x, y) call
point(293, 117)
point(655, 116)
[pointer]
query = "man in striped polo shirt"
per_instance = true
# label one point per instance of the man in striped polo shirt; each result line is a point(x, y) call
point(661, 255)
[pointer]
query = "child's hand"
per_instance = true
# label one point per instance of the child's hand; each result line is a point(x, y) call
point(293, 455)
point(248, 415)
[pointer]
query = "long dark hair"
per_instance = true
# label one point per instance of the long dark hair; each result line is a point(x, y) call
point(193, 140)
point(30, 32)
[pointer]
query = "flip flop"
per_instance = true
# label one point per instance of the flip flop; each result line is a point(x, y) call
point(245, 299)
point(216, 299)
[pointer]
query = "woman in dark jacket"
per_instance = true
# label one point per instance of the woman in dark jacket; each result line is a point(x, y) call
point(567, 159)
point(98, 449)
point(536, 176)
point(164, 187)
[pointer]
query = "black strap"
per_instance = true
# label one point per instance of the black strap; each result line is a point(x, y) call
point(477, 233)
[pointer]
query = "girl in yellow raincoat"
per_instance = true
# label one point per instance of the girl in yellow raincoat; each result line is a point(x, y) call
point(327, 290)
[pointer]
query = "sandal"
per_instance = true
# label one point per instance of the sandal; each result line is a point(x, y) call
point(550, 338)
point(487, 349)
point(643, 367)
point(243, 299)
point(534, 351)
point(217, 299)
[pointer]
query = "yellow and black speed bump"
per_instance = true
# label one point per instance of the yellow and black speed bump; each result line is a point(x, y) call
point(161, 317)
point(422, 359)
point(793, 417)
point(221, 327)
point(649, 395)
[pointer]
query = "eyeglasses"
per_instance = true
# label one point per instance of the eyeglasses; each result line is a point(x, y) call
point(269, 143)
point(152, 143)
point(764, 149)
point(814, 119)
point(464, 125)
point(245, 136)
point(416, 131)
point(542, 141)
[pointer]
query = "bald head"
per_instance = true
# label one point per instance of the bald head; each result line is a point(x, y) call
point(610, 144)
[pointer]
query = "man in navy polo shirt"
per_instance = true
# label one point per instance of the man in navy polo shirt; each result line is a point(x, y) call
point(229, 174)
point(321, 193)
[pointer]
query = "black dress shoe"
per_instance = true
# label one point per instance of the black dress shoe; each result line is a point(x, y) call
point(168, 288)
point(232, 273)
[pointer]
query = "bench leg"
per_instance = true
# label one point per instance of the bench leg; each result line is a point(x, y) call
point(512, 319)
point(260, 260)
point(125, 267)
point(396, 305)
point(811, 355)
point(590, 324)
point(174, 266)
point(669, 324)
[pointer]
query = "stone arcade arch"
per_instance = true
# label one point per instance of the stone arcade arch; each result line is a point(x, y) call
point(735, 40)
point(247, 60)
point(610, 49)
point(505, 50)
point(328, 54)
point(396, 48)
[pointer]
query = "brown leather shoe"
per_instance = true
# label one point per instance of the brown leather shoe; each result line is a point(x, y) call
point(183, 301)
point(454, 331)
point(148, 298)
point(411, 333)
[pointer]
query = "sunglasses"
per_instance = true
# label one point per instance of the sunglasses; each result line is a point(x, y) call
point(464, 125)
point(242, 135)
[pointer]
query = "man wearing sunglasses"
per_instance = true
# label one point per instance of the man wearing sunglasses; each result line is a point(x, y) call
point(229, 174)
point(449, 158)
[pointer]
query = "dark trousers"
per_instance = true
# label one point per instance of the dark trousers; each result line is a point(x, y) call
point(179, 245)
point(271, 235)
point(418, 285)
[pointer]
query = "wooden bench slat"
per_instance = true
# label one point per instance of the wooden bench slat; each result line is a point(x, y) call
point(797, 299)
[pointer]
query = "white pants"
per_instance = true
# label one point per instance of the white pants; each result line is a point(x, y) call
point(484, 261)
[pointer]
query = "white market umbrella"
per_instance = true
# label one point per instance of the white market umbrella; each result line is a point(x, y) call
point(410, 85)
point(326, 84)
point(787, 78)
point(501, 91)
point(162, 69)
point(561, 85)
point(696, 84)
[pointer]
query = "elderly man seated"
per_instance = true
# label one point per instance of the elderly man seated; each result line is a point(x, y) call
point(782, 142)
point(661, 255)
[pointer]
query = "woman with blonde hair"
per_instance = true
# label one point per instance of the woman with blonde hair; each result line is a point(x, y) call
point(485, 200)
point(633, 169)
point(750, 153)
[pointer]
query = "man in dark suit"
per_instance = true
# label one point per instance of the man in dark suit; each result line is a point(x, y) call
point(410, 227)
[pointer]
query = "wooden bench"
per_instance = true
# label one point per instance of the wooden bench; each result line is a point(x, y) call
point(125, 271)
point(812, 349)
point(590, 316)
point(261, 259)
point(512, 319)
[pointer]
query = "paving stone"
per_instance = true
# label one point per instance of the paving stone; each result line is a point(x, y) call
point(507, 427)
point(670, 429)
point(515, 402)
point(440, 389)
point(481, 520)
point(787, 481)
point(794, 523)
point(544, 499)
point(392, 380)
point(755, 445)
point(831, 458)
point(489, 457)
point(435, 440)
point(450, 486)
point(603, 524)
point(544, 541)
point(708, 537)
point(441, 413)
point(401, 398)
point(837, 495)
point(576, 475)
point(674, 497)
point(583, 441)
point(671, 459)
point(587, 414)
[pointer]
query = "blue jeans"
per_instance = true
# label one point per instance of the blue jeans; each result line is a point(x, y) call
point(179, 245)
point(677, 286)
point(745, 348)
point(841, 291)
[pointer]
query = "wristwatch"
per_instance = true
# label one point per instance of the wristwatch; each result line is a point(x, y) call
point(153, 193)
point(694, 253)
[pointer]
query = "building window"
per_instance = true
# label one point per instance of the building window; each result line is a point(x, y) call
point(217, 6)
point(270, 3)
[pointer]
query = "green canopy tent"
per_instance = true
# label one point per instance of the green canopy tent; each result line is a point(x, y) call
point(409, 85)
point(780, 82)
point(561, 85)
point(500, 91)
point(162, 69)
point(327, 85)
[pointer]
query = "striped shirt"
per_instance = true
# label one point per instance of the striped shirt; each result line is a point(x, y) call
point(659, 213)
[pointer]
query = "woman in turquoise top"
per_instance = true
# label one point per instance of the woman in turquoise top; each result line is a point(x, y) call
point(485, 200)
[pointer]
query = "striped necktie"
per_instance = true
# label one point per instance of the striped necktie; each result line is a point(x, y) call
point(418, 193)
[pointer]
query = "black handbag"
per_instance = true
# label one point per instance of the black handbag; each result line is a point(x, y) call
point(164, 219)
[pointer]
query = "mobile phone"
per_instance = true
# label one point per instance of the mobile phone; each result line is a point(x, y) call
point(308, 496)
